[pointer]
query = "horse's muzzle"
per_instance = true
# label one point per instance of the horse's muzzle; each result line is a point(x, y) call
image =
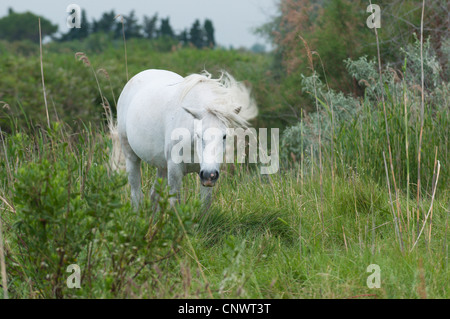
point(209, 178)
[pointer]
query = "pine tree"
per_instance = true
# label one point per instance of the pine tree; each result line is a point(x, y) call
point(209, 33)
point(106, 23)
point(183, 37)
point(165, 29)
point(196, 35)
point(149, 28)
point(131, 26)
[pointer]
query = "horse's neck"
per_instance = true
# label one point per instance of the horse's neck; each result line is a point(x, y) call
point(199, 96)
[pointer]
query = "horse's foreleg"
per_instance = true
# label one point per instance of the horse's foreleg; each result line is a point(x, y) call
point(175, 179)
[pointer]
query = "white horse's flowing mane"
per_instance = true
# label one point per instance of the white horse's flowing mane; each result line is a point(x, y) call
point(231, 95)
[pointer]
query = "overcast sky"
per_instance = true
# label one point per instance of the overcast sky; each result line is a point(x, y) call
point(233, 19)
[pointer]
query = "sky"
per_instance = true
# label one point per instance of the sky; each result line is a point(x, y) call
point(233, 19)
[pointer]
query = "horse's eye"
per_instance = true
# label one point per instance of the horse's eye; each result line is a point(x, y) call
point(224, 137)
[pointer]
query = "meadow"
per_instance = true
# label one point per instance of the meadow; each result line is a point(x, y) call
point(345, 197)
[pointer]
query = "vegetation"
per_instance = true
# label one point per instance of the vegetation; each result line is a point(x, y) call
point(72, 90)
point(364, 176)
point(356, 125)
point(263, 237)
point(336, 30)
point(22, 26)
point(199, 35)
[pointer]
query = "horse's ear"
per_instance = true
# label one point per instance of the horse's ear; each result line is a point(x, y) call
point(238, 109)
point(196, 114)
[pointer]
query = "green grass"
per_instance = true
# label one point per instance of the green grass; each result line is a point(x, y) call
point(276, 228)
point(262, 238)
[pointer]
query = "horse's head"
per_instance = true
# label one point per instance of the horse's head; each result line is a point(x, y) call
point(210, 133)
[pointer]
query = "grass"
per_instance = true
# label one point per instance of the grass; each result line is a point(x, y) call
point(262, 238)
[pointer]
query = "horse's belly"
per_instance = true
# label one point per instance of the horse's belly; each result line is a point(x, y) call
point(149, 152)
point(146, 138)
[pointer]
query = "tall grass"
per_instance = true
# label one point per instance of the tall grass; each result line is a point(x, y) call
point(262, 238)
point(396, 134)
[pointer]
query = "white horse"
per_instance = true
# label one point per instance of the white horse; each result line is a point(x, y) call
point(154, 103)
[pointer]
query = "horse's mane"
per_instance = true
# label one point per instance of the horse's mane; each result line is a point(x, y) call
point(231, 95)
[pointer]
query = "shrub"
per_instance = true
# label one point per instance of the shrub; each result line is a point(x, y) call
point(354, 131)
point(69, 210)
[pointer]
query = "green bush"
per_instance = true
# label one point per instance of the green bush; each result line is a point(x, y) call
point(69, 210)
point(54, 225)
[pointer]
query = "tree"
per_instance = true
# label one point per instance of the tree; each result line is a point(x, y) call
point(209, 33)
point(196, 35)
point(131, 26)
point(166, 30)
point(24, 26)
point(149, 28)
point(106, 23)
point(335, 29)
point(258, 48)
point(184, 37)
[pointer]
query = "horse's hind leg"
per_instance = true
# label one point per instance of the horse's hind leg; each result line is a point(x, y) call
point(133, 163)
point(134, 178)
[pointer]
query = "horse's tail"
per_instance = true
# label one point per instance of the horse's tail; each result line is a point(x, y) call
point(116, 156)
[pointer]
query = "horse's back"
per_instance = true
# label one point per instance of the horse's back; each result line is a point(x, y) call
point(152, 77)
point(146, 92)
point(147, 82)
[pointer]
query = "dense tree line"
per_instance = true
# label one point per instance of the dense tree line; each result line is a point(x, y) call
point(153, 27)
point(22, 26)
